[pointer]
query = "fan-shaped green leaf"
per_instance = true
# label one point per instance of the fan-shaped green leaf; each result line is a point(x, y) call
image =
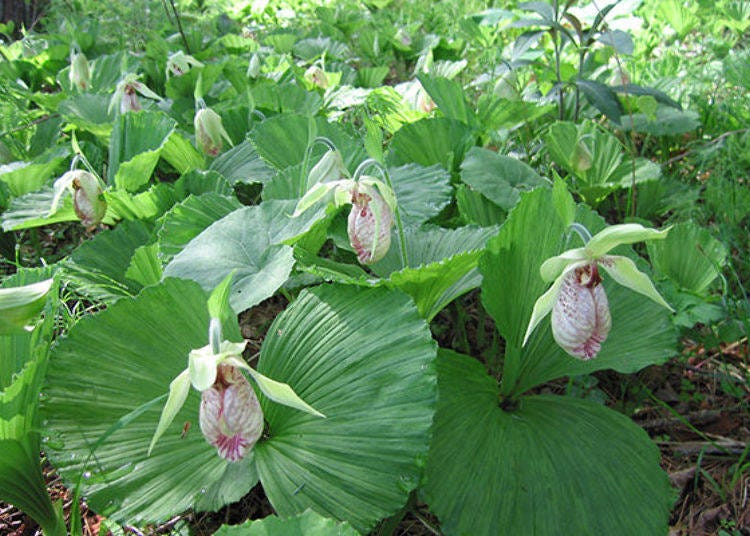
point(689, 255)
point(98, 266)
point(135, 147)
point(551, 465)
point(181, 154)
point(30, 210)
point(497, 177)
point(89, 112)
point(308, 523)
point(250, 241)
point(188, 219)
point(126, 357)
point(242, 163)
point(430, 141)
point(422, 192)
point(24, 177)
point(377, 392)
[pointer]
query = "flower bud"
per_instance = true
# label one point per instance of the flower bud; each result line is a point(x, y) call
point(370, 223)
point(230, 416)
point(80, 75)
point(580, 315)
point(88, 200)
point(209, 131)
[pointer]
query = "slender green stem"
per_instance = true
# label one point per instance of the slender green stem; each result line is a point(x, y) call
point(371, 162)
point(581, 230)
point(303, 186)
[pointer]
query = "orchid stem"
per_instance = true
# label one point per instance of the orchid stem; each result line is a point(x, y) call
point(581, 231)
point(371, 162)
point(306, 162)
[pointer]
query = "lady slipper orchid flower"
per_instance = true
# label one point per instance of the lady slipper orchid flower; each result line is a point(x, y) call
point(88, 197)
point(126, 94)
point(580, 311)
point(230, 416)
point(180, 63)
point(369, 225)
point(373, 205)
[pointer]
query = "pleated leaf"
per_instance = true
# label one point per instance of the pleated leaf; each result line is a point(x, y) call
point(242, 163)
point(689, 256)
point(307, 523)
point(188, 219)
point(430, 141)
point(126, 356)
point(499, 178)
point(551, 465)
point(99, 266)
point(422, 192)
point(363, 357)
point(251, 242)
point(135, 147)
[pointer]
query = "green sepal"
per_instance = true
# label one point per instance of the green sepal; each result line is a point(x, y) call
point(616, 235)
point(178, 392)
point(279, 392)
point(320, 190)
point(554, 266)
point(625, 272)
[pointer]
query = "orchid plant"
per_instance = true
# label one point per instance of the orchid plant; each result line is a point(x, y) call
point(230, 416)
point(580, 312)
point(374, 208)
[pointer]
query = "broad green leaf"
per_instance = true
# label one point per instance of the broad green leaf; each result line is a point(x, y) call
point(98, 267)
point(145, 267)
point(20, 306)
point(668, 122)
point(138, 347)
point(89, 112)
point(430, 141)
point(511, 282)
point(308, 523)
point(442, 265)
point(449, 97)
point(547, 466)
point(602, 98)
point(23, 362)
point(475, 208)
point(500, 113)
point(22, 483)
point(147, 205)
point(360, 462)
point(181, 154)
point(422, 192)
point(499, 178)
point(689, 256)
point(199, 182)
point(30, 210)
point(25, 177)
point(242, 164)
point(135, 147)
point(188, 219)
point(251, 241)
point(282, 140)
